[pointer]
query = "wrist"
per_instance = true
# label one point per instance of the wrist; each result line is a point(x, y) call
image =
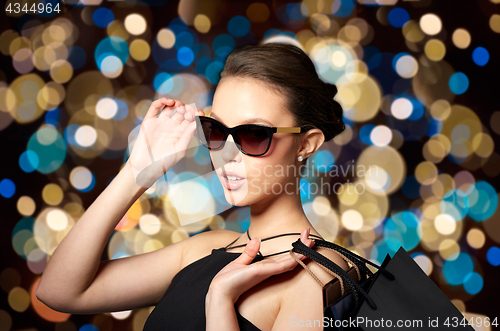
point(127, 174)
point(145, 177)
point(217, 297)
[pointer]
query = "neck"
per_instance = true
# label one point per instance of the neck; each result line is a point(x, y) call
point(277, 214)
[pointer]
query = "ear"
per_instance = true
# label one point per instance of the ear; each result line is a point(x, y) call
point(311, 142)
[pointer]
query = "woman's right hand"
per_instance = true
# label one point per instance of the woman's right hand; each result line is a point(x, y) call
point(162, 140)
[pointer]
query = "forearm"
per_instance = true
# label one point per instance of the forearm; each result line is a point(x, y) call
point(74, 263)
point(220, 313)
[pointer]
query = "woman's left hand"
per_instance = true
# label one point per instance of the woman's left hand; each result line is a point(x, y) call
point(239, 276)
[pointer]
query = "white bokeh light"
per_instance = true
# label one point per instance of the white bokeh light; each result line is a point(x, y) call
point(401, 108)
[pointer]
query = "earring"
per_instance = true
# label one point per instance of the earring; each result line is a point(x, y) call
point(300, 158)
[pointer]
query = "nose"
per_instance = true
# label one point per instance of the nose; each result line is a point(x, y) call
point(230, 151)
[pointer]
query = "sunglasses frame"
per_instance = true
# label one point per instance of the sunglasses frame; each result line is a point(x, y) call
point(271, 130)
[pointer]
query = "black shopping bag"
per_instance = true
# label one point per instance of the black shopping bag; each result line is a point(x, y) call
point(398, 296)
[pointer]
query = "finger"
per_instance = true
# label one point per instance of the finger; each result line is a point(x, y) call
point(187, 134)
point(189, 116)
point(304, 237)
point(276, 267)
point(156, 106)
point(168, 109)
point(180, 111)
point(250, 252)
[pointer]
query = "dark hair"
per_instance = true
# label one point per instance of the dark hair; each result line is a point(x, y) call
point(288, 69)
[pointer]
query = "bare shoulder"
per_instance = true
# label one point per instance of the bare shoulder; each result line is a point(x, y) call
point(303, 298)
point(201, 244)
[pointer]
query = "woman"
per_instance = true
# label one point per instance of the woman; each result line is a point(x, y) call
point(224, 280)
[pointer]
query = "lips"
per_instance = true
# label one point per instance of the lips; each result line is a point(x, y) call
point(231, 173)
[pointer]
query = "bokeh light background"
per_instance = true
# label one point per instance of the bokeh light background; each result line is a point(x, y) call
point(418, 81)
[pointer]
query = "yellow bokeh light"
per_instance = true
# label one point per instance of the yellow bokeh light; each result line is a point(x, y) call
point(52, 194)
point(426, 173)
point(495, 23)
point(483, 144)
point(440, 109)
point(166, 38)
point(350, 90)
point(26, 205)
point(116, 29)
point(412, 32)
point(348, 195)
point(435, 49)
point(449, 249)
point(61, 71)
point(202, 23)
point(461, 38)
point(18, 299)
point(258, 12)
point(140, 50)
point(321, 205)
point(476, 238)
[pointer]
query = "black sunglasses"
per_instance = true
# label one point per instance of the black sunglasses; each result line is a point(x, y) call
point(251, 139)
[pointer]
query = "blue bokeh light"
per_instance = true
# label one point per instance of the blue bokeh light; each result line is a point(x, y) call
point(411, 187)
point(102, 17)
point(111, 46)
point(28, 161)
point(163, 82)
point(458, 83)
point(324, 161)
point(493, 256)
point(185, 56)
point(455, 271)
point(402, 229)
point(213, 71)
point(364, 133)
point(52, 116)
point(473, 283)
point(184, 39)
point(77, 57)
point(398, 17)
point(7, 188)
point(480, 56)
point(342, 8)
point(483, 201)
point(51, 153)
point(238, 26)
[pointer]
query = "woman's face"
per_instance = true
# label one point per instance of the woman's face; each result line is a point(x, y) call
point(248, 101)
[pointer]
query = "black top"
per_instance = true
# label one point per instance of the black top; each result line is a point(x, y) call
point(183, 304)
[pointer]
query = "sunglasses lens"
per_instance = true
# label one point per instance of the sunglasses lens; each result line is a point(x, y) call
point(213, 132)
point(254, 141)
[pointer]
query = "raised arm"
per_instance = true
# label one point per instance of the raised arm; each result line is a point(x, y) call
point(75, 280)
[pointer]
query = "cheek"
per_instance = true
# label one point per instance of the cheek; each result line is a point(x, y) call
point(276, 166)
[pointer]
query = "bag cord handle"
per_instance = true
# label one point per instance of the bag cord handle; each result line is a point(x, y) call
point(361, 260)
point(315, 277)
point(301, 248)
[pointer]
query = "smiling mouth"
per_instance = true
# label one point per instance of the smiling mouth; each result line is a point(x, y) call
point(233, 178)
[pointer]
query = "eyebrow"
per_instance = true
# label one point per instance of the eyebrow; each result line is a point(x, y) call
point(247, 121)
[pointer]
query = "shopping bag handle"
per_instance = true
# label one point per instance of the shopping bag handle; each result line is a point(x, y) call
point(361, 261)
point(341, 282)
point(357, 290)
